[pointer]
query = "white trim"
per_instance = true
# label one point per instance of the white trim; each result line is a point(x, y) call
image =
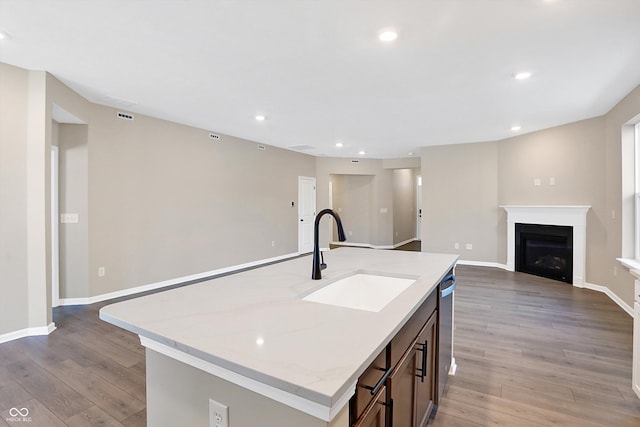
point(362, 245)
point(631, 264)
point(28, 332)
point(315, 409)
point(483, 264)
point(55, 227)
point(171, 282)
point(608, 292)
point(453, 367)
point(369, 245)
point(573, 216)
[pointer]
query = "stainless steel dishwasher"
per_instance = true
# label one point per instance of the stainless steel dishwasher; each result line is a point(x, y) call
point(445, 330)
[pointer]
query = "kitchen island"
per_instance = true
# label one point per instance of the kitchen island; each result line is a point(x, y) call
point(249, 341)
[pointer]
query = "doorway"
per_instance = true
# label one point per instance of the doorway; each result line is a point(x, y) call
point(306, 213)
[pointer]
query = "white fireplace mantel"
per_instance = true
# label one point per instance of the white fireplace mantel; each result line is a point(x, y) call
point(573, 216)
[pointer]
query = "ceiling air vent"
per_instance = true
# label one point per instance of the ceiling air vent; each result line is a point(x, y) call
point(125, 116)
point(215, 137)
point(355, 161)
point(261, 147)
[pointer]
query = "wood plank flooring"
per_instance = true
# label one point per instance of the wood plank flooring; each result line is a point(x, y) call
point(537, 352)
point(86, 373)
point(530, 352)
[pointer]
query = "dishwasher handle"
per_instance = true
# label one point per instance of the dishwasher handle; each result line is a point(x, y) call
point(445, 292)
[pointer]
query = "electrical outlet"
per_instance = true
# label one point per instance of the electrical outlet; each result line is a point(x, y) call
point(101, 272)
point(273, 243)
point(537, 182)
point(218, 414)
point(469, 246)
point(456, 245)
point(552, 180)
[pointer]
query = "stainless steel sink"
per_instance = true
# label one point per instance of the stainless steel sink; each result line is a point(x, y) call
point(361, 291)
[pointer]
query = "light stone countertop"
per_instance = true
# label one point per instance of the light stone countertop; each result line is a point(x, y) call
point(255, 323)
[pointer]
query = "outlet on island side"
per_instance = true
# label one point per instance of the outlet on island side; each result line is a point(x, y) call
point(218, 414)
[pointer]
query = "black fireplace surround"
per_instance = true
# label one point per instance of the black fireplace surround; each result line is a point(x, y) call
point(544, 250)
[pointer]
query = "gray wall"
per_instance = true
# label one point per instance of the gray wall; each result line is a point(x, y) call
point(73, 198)
point(460, 200)
point(463, 185)
point(573, 155)
point(404, 205)
point(13, 198)
point(352, 199)
point(178, 395)
point(165, 201)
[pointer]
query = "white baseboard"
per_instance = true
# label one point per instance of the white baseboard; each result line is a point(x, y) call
point(608, 292)
point(171, 282)
point(483, 264)
point(28, 332)
point(362, 245)
point(370, 246)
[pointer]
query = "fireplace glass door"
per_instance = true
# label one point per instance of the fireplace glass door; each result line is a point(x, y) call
point(545, 250)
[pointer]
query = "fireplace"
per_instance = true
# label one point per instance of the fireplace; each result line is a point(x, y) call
point(570, 216)
point(544, 250)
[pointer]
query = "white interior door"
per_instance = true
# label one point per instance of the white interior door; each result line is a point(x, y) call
point(55, 256)
point(306, 213)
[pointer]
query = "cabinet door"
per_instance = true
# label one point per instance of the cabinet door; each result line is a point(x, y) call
point(426, 368)
point(402, 388)
point(374, 414)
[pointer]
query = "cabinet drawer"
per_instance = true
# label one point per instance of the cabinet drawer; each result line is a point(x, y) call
point(374, 415)
point(412, 328)
point(367, 381)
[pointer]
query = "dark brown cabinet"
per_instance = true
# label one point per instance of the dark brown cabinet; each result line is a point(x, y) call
point(374, 415)
point(398, 389)
point(412, 383)
point(426, 380)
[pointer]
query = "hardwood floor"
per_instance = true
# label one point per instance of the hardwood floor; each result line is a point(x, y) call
point(537, 352)
point(86, 373)
point(530, 352)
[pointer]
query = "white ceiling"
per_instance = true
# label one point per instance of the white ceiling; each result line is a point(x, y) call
point(319, 74)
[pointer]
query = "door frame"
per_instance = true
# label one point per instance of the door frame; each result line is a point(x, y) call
point(55, 228)
point(299, 218)
point(419, 207)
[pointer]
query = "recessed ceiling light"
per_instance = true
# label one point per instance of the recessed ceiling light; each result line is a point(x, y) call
point(515, 128)
point(338, 144)
point(410, 153)
point(388, 36)
point(361, 152)
point(522, 75)
point(3, 35)
point(260, 118)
